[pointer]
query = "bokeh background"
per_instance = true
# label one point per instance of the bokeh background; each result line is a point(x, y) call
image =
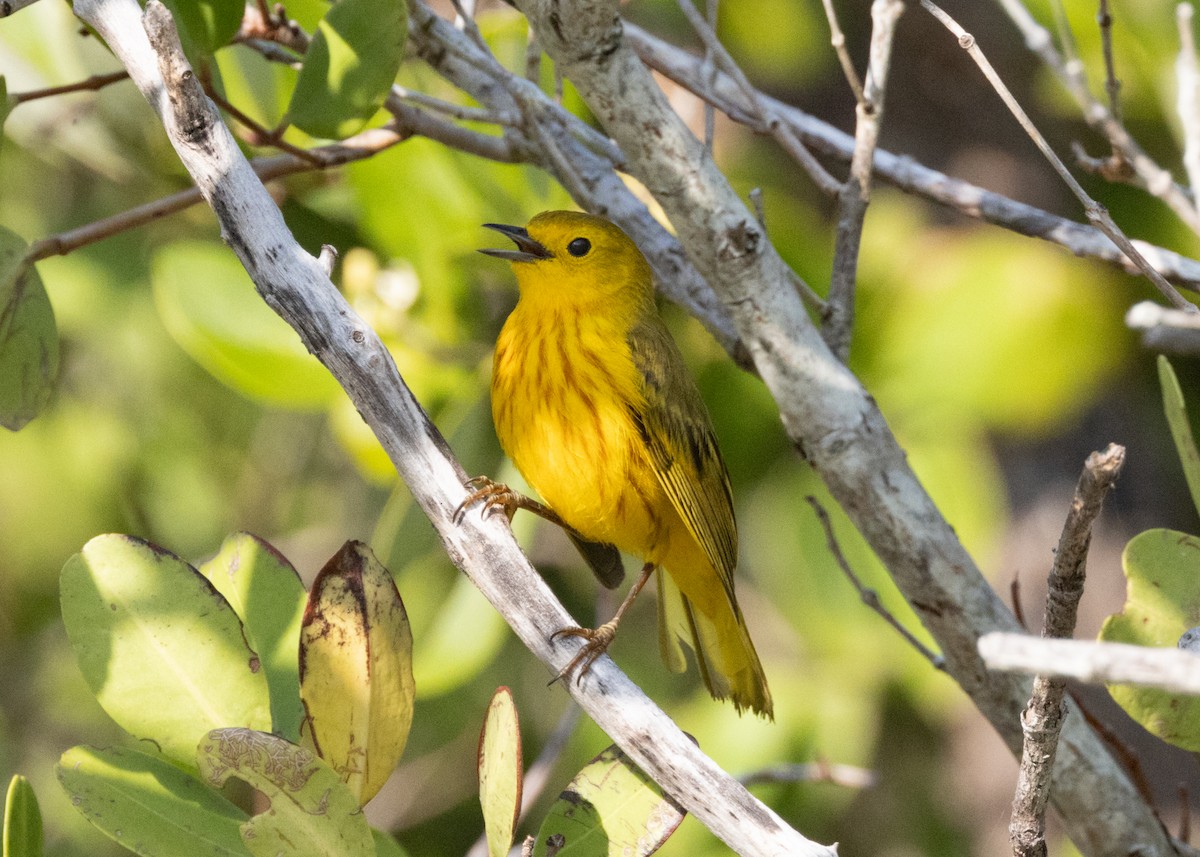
point(184, 413)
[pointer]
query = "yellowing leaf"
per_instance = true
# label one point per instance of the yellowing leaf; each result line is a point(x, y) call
point(500, 772)
point(356, 677)
point(610, 809)
point(311, 812)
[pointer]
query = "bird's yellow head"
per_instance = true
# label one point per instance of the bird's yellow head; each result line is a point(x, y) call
point(573, 257)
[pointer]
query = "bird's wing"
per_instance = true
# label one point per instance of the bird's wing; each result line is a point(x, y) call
point(675, 426)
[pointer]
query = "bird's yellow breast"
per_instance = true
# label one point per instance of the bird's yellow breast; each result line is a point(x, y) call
point(562, 387)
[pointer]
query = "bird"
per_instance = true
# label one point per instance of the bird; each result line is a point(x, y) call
point(593, 403)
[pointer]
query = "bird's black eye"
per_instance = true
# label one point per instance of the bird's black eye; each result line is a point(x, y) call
point(579, 247)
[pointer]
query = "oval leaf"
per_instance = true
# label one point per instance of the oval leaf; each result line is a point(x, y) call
point(311, 812)
point(162, 650)
point(22, 835)
point(149, 805)
point(1162, 568)
point(205, 25)
point(356, 678)
point(349, 68)
point(28, 337)
point(209, 306)
point(266, 592)
point(610, 808)
point(500, 772)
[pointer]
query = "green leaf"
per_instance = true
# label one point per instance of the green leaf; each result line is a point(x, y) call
point(22, 836)
point(205, 25)
point(162, 650)
point(1163, 601)
point(311, 811)
point(349, 68)
point(264, 590)
point(28, 337)
point(386, 845)
point(356, 677)
point(149, 805)
point(1181, 429)
point(6, 106)
point(610, 808)
point(209, 306)
point(500, 772)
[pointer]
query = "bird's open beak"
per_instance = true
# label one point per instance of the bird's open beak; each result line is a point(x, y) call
point(528, 250)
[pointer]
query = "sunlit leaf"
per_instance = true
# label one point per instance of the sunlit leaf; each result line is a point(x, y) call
point(266, 592)
point(356, 677)
point(311, 811)
point(28, 336)
point(161, 649)
point(349, 67)
point(1162, 568)
point(500, 772)
point(149, 805)
point(22, 834)
point(206, 25)
point(208, 304)
point(610, 809)
point(1181, 429)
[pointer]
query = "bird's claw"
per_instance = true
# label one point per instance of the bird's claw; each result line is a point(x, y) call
point(496, 495)
point(598, 641)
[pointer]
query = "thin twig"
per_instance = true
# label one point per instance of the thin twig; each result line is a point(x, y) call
point(1065, 36)
point(855, 194)
point(258, 135)
point(95, 82)
point(820, 771)
point(1095, 663)
point(363, 145)
point(710, 112)
point(1111, 84)
point(1041, 722)
point(1153, 178)
point(838, 40)
point(1014, 595)
point(1164, 330)
point(869, 596)
point(782, 134)
point(1096, 213)
point(902, 172)
point(1187, 76)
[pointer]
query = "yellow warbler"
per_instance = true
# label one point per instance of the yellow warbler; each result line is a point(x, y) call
point(593, 403)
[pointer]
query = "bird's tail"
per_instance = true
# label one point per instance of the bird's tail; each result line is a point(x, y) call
point(724, 653)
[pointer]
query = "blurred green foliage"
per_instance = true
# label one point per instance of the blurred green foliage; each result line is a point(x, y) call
point(183, 412)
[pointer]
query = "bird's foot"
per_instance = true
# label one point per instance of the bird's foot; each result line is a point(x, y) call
point(495, 495)
point(598, 641)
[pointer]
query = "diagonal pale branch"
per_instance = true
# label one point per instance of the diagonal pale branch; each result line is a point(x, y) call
point(296, 286)
point(826, 412)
